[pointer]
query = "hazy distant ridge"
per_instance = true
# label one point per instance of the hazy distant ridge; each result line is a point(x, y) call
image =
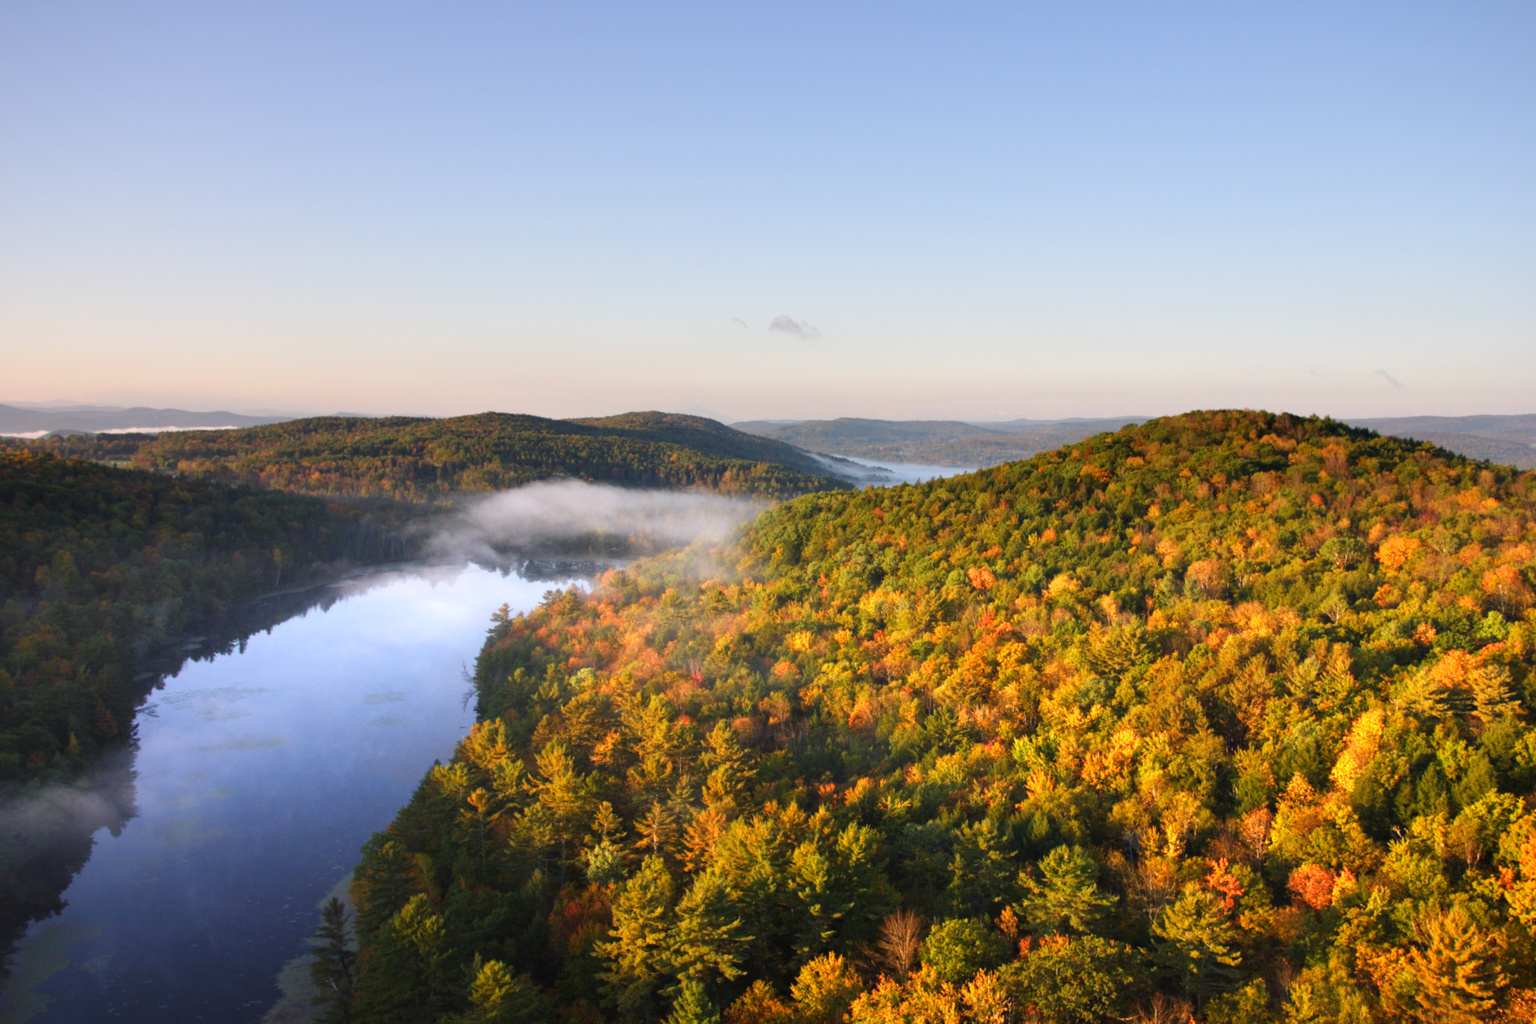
point(1510, 440)
point(1507, 439)
point(934, 442)
point(16, 420)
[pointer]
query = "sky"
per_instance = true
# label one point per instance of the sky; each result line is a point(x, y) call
point(770, 210)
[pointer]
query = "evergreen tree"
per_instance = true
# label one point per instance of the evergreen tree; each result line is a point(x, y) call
point(406, 982)
point(331, 967)
point(1456, 971)
point(1196, 943)
point(382, 884)
point(1066, 897)
point(729, 766)
point(639, 955)
point(981, 870)
point(707, 938)
point(497, 996)
point(692, 1005)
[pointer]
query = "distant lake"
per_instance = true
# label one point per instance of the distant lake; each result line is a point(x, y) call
point(905, 472)
point(885, 473)
point(260, 773)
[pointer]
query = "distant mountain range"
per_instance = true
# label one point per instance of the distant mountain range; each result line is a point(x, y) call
point(95, 419)
point(934, 442)
point(1506, 439)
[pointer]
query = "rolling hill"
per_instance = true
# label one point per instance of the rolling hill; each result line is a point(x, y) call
point(422, 459)
point(1224, 716)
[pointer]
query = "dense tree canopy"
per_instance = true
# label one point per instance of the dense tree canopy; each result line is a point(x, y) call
point(419, 459)
point(98, 564)
point(1225, 714)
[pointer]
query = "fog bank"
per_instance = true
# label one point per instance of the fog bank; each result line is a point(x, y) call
point(572, 517)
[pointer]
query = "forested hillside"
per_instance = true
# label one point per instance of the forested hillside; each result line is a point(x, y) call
point(98, 564)
point(419, 459)
point(1224, 715)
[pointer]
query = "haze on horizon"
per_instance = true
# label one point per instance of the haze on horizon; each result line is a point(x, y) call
point(770, 211)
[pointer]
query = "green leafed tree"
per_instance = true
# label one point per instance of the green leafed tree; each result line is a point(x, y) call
point(407, 981)
point(1064, 981)
point(497, 996)
point(957, 948)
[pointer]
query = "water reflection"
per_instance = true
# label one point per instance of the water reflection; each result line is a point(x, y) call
point(869, 472)
point(261, 766)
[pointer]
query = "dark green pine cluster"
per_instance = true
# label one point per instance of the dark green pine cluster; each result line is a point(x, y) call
point(97, 565)
point(1225, 716)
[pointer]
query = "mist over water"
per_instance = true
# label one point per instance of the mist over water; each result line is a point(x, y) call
point(572, 517)
point(257, 771)
point(867, 472)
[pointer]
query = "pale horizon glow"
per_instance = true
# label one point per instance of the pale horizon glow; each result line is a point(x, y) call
point(770, 211)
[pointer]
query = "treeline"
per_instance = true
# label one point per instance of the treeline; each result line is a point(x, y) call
point(1224, 716)
point(99, 565)
point(418, 459)
point(46, 831)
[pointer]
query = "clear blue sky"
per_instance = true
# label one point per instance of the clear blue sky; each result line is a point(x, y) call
point(972, 211)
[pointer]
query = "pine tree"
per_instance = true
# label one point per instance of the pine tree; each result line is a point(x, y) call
point(407, 978)
point(692, 1005)
point(1066, 897)
point(497, 996)
point(1457, 970)
point(638, 955)
point(1196, 942)
point(331, 968)
point(707, 938)
point(728, 764)
point(382, 884)
point(981, 870)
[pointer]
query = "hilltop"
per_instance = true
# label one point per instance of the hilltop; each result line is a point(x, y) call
point(1224, 715)
point(423, 459)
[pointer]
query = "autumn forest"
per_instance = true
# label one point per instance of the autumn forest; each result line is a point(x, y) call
point(1223, 717)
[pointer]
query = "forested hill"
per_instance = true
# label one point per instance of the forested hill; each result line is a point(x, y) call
point(417, 459)
point(99, 567)
point(98, 564)
point(1224, 715)
point(711, 437)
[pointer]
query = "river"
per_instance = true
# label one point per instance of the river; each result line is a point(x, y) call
point(262, 764)
point(259, 774)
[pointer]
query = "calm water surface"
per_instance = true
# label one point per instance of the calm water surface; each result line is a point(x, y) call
point(259, 774)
